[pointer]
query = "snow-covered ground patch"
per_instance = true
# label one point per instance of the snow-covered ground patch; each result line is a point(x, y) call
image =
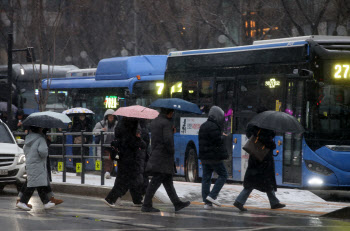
point(295, 199)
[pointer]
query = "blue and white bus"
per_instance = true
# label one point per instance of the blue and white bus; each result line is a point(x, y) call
point(119, 81)
point(307, 77)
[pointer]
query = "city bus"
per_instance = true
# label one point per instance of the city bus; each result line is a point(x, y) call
point(118, 82)
point(23, 76)
point(307, 77)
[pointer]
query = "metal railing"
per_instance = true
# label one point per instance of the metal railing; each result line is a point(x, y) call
point(82, 157)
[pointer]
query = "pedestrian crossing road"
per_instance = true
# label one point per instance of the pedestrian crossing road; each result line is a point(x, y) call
point(89, 213)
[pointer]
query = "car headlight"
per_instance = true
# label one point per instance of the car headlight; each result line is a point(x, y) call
point(21, 159)
point(318, 168)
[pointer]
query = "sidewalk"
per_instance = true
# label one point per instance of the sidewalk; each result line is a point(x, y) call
point(297, 201)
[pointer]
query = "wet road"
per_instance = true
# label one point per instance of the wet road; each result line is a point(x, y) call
point(88, 213)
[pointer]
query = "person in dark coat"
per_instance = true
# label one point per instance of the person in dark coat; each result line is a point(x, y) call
point(129, 144)
point(212, 152)
point(144, 133)
point(81, 123)
point(260, 175)
point(161, 162)
point(18, 123)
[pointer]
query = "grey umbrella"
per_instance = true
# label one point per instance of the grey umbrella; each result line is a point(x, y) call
point(277, 121)
point(47, 119)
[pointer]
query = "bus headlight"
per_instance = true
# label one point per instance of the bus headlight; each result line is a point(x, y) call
point(315, 181)
point(21, 159)
point(318, 168)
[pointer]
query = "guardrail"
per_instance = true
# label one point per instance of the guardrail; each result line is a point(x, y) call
point(82, 157)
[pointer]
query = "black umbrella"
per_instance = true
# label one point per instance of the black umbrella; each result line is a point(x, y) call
point(277, 121)
point(177, 104)
point(47, 119)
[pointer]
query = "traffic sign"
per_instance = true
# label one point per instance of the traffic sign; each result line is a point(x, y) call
point(60, 166)
point(97, 165)
point(78, 167)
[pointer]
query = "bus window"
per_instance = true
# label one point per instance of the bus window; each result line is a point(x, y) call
point(225, 100)
point(248, 92)
point(145, 93)
point(271, 94)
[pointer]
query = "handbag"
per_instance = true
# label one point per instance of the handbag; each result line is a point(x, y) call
point(256, 148)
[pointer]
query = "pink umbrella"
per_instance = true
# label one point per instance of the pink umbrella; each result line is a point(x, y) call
point(137, 111)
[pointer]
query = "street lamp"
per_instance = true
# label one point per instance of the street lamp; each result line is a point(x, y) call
point(29, 57)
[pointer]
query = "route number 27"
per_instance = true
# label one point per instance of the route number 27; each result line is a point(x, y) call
point(341, 70)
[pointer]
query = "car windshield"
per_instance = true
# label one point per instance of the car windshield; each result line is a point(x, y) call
point(5, 136)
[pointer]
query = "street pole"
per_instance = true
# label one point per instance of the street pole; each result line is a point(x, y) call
point(9, 80)
point(135, 27)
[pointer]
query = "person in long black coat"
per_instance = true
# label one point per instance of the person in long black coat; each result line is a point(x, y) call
point(129, 175)
point(260, 175)
point(161, 162)
point(144, 133)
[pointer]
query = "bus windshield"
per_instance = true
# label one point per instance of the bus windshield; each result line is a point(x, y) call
point(330, 114)
point(144, 93)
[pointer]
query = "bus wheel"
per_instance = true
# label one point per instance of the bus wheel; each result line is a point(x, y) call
point(191, 173)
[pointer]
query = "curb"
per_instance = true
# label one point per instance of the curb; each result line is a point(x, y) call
point(90, 190)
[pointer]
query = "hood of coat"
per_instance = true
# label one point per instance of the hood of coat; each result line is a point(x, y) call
point(31, 138)
point(108, 112)
point(217, 115)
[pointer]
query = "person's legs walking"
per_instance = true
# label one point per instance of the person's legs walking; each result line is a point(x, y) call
point(152, 188)
point(169, 187)
point(27, 194)
point(242, 198)
point(220, 169)
point(274, 202)
point(120, 188)
point(42, 191)
point(206, 182)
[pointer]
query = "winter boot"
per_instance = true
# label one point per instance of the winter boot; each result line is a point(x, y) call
point(56, 201)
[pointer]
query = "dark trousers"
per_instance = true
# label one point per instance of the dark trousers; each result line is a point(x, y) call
point(243, 196)
point(125, 181)
point(28, 193)
point(47, 189)
point(156, 181)
point(208, 170)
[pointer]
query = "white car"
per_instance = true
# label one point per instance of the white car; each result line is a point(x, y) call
point(12, 159)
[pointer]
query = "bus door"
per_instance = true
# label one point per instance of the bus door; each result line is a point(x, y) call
point(292, 143)
point(224, 98)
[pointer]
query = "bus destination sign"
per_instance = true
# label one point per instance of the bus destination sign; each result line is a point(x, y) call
point(341, 71)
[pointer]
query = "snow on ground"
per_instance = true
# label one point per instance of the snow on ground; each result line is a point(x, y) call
point(295, 199)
